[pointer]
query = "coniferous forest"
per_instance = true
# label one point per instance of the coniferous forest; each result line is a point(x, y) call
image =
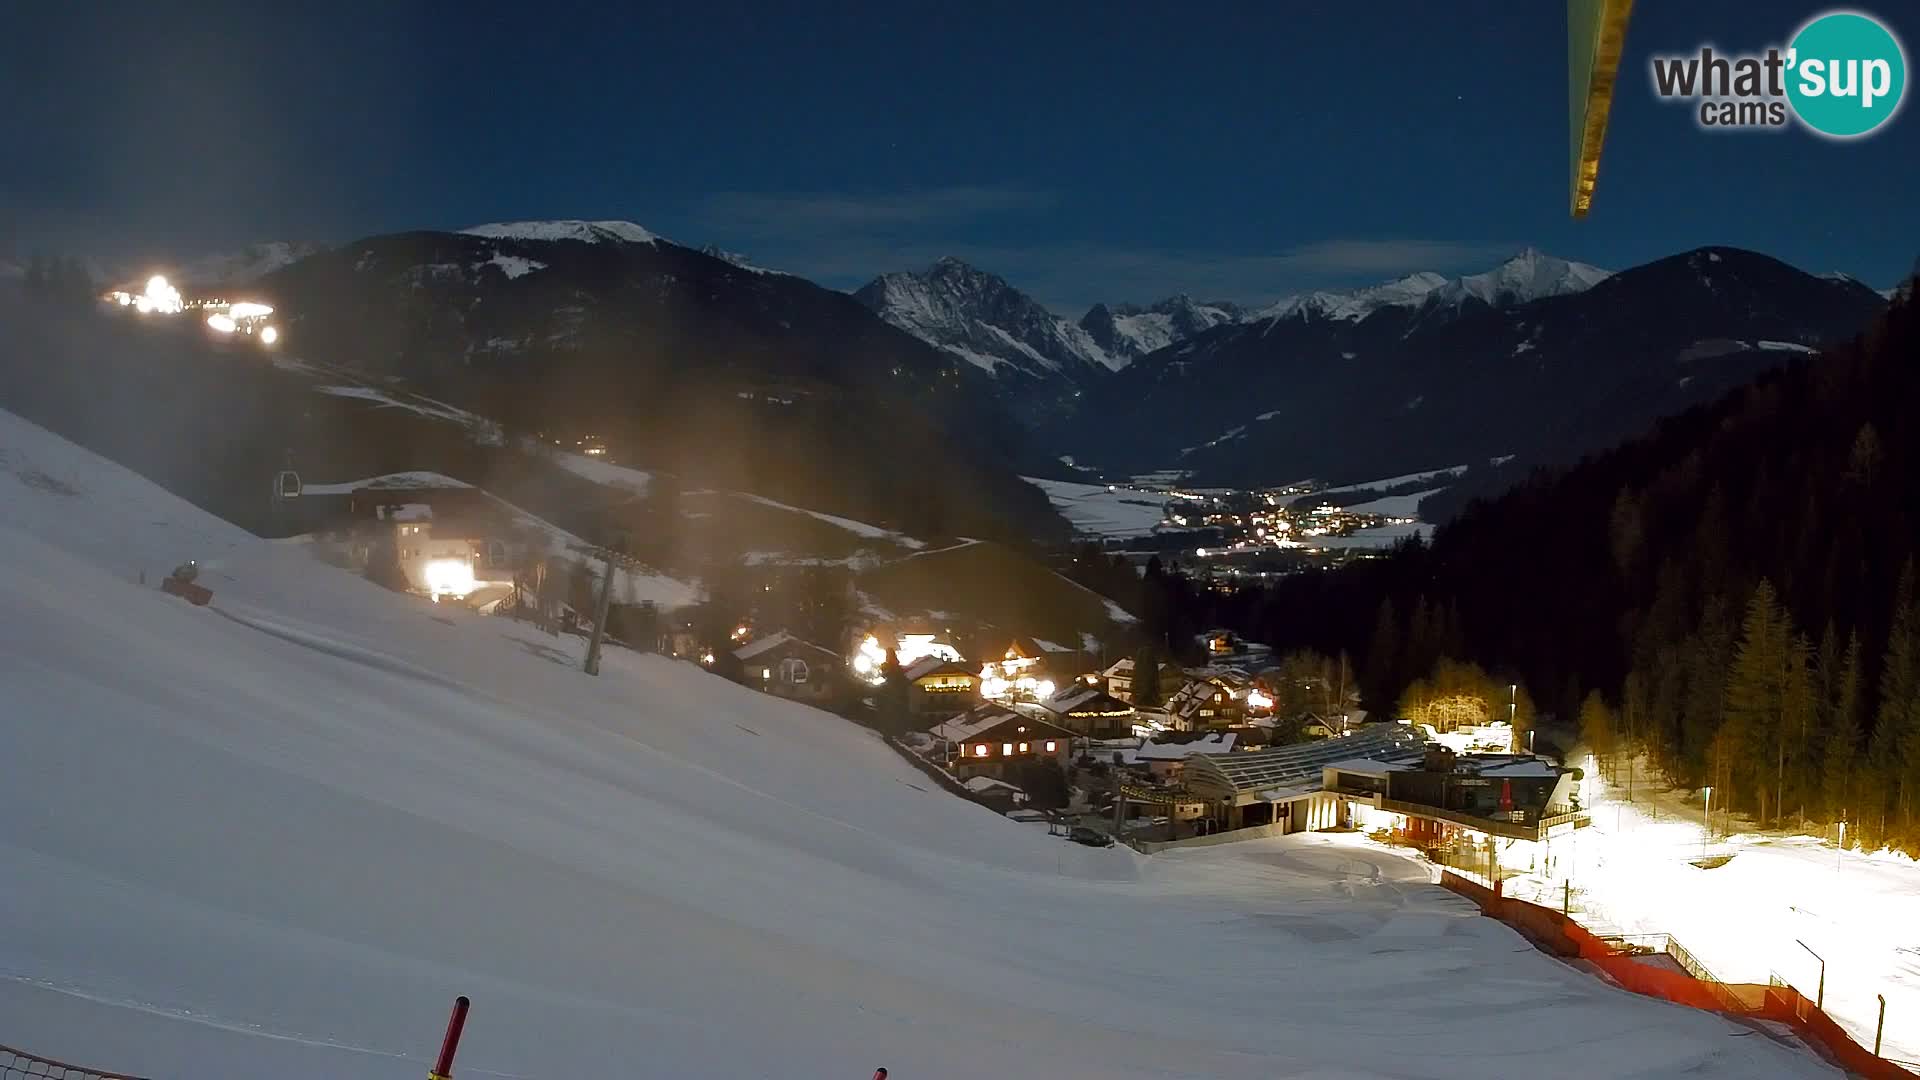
point(1733, 595)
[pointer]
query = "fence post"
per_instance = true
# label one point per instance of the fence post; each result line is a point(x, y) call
point(443, 1067)
point(1879, 1025)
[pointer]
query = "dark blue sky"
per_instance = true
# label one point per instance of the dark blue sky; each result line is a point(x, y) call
point(1085, 151)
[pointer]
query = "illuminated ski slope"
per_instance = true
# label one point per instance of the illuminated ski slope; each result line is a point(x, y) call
point(276, 836)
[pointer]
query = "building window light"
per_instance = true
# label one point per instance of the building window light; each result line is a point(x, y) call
point(1006, 749)
point(1023, 748)
point(1050, 746)
point(980, 751)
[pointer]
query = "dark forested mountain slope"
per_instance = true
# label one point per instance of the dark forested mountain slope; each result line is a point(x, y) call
point(733, 375)
point(1639, 574)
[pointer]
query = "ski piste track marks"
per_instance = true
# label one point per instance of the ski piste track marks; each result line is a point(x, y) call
point(231, 824)
point(381, 662)
point(210, 1022)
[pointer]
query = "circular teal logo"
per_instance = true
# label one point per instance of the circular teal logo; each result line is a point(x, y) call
point(1846, 74)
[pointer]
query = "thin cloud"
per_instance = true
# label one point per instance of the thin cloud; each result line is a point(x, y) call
point(803, 212)
point(844, 239)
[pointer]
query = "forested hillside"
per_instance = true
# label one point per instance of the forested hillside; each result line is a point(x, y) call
point(1733, 592)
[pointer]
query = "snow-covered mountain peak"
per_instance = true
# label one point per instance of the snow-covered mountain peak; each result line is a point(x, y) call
point(1130, 331)
point(1529, 275)
point(1356, 304)
point(978, 317)
point(591, 232)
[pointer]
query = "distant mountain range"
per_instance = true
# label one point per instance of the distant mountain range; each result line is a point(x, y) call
point(758, 377)
point(980, 318)
point(1540, 358)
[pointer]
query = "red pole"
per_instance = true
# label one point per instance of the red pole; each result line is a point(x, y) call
point(443, 1068)
point(879, 1074)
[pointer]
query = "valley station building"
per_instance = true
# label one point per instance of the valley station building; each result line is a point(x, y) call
point(1385, 777)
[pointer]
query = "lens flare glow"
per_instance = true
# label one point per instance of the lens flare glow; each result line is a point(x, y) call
point(222, 323)
point(449, 577)
point(269, 335)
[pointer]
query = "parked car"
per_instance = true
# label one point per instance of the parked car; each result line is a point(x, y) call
point(1080, 834)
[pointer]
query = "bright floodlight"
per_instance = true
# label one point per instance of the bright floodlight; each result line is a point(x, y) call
point(269, 335)
point(247, 309)
point(160, 296)
point(222, 323)
point(449, 577)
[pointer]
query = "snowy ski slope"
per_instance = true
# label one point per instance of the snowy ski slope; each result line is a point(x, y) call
point(276, 836)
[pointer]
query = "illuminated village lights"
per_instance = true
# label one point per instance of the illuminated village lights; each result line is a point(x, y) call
point(870, 659)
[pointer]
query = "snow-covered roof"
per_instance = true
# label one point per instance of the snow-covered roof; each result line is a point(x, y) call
point(759, 645)
point(590, 232)
point(1220, 742)
point(411, 512)
point(1512, 767)
point(1122, 668)
point(986, 718)
point(1077, 696)
point(973, 722)
point(930, 665)
point(1301, 764)
point(979, 784)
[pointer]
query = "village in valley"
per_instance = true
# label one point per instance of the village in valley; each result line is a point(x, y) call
point(1098, 740)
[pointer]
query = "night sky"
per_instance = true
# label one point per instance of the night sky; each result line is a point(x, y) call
point(1110, 151)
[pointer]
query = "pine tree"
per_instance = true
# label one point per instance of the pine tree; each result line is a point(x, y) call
point(892, 700)
point(1900, 698)
point(1750, 714)
point(1383, 656)
point(1893, 727)
point(1146, 679)
point(1798, 706)
point(1843, 735)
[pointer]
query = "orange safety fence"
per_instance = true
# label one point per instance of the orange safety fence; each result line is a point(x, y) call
point(1634, 963)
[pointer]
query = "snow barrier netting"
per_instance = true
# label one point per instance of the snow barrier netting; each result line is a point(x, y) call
point(1694, 986)
point(19, 1065)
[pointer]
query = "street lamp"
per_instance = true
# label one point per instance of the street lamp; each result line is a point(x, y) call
point(1706, 821)
point(1820, 995)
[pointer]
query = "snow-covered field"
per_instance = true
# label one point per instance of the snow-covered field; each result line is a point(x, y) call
point(1407, 505)
point(1095, 511)
point(1450, 473)
point(601, 472)
point(1744, 919)
point(858, 528)
point(1384, 536)
point(275, 837)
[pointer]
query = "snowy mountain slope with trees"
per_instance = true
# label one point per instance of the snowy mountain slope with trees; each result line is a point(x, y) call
point(276, 835)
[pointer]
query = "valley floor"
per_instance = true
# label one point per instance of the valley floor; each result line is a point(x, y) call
point(277, 835)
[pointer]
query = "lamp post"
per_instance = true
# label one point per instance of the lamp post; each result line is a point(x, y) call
point(1820, 995)
point(1706, 821)
point(1513, 712)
